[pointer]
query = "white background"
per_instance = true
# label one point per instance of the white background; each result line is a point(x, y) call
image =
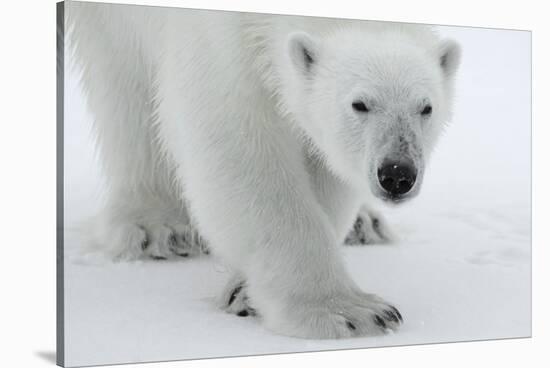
point(28, 202)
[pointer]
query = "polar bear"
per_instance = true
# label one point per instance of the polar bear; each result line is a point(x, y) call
point(265, 135)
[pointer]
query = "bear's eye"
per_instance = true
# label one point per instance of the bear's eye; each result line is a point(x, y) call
point(360, 106)
point(427, 110)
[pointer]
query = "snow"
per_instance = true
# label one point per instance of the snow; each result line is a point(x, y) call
point(461, 269)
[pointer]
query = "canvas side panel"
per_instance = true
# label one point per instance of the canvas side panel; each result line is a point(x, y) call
point(60, 297)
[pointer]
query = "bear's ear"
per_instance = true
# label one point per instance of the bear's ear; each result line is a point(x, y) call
point(303, 51)
point(449, 57)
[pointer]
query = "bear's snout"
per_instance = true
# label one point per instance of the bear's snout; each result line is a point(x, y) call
point(397, 178)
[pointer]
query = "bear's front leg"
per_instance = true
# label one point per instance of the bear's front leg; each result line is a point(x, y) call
point(250, 194)
point(354, 224)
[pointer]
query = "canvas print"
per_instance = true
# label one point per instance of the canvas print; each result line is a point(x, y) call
point(238, 184)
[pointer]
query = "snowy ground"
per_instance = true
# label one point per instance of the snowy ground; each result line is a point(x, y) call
point(460, 271)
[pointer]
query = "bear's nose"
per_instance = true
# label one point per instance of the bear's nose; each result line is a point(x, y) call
point(397, 177)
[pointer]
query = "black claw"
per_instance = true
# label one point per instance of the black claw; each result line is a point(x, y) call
point(243, 313)
point(172, 240)
point(158, 258)
point(391, 316)
point(358, 224)
point(363, 240)
point(397, 313)
point(233, 296)
point(184, 255)
point(379, 321)
point(351, 326)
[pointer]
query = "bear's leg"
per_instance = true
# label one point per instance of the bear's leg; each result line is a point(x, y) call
point(337, 200)
point(341, 204)
point(251, 195)
point(370, 227)
point(143, 213)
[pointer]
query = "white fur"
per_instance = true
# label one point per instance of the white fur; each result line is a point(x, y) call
point(220, 115)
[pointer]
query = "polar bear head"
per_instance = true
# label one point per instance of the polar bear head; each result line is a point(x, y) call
point(373, 102)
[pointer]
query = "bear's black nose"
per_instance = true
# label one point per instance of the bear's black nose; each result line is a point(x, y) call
point(397, 177)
